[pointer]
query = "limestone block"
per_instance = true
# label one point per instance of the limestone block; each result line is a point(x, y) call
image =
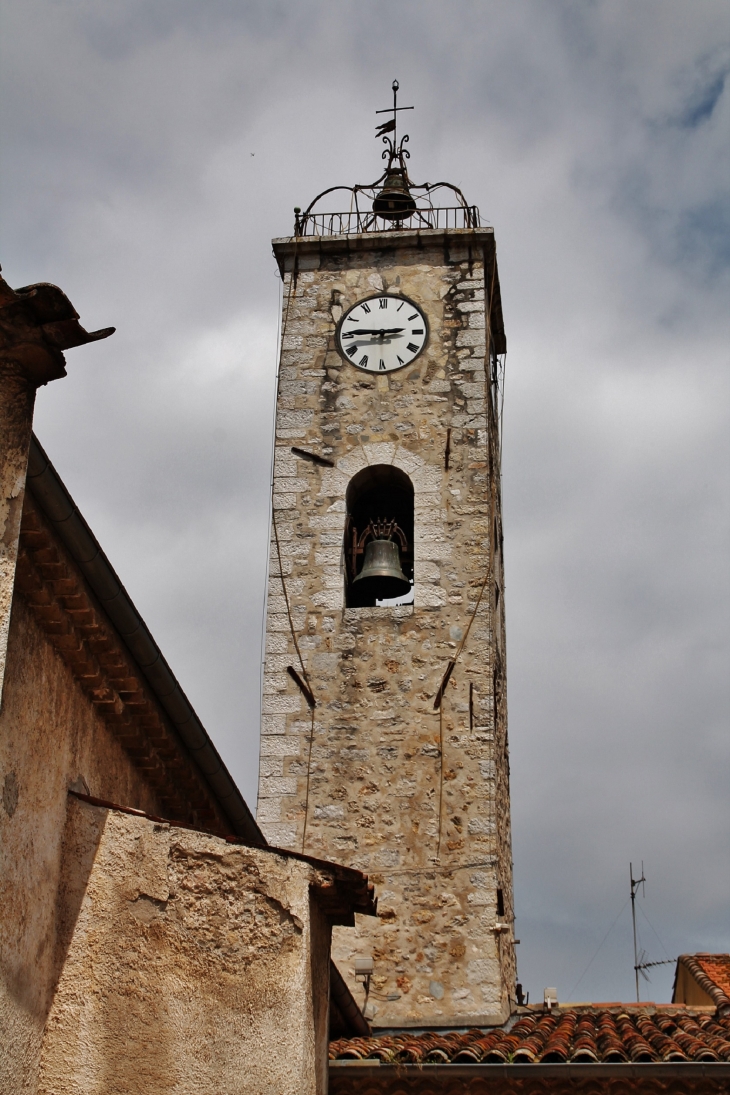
point(276, 571)
point(294, 419)
point(430, 596)
point(280, 836)
point(273, 724)
point(289, 484)
point(276, 644)
point(428, 479)
point(481, 970)
point(270, 767)
point(427, 571)
point(294, 588)
point(326, 521)
point(331, 599)
point(379, 453)
point(475, 339)
point(351, 463)
point(472, 389)
point(428, 504)
point(295, 434)
point(407, 461)
point(334, 482)
point(433, 549)
point(297, 387)
point(285, 463)
point(277, 785)
point(279, 745)
point(268, 810)
point(281, 705)
point(276, 622)
point(481, 897)
point(274, 684)
point(330, 557)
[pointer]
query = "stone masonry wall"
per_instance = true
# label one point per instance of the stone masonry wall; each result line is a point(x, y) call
point(375, 789)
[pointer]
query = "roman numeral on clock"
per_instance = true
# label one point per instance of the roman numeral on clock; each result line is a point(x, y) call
point(363, 362)
point(382, 363)
point(383, 302)
point(365, 308)
point(417, 331)
point(412, 348)
point(352, 350)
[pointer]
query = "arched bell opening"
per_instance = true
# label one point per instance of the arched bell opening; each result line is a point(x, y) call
point(379, 538)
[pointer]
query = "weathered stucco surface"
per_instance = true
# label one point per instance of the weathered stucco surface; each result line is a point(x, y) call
point(191, 965)
point(50, 737)
point(369, 796)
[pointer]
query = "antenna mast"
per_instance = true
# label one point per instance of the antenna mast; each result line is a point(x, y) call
point(635, 883)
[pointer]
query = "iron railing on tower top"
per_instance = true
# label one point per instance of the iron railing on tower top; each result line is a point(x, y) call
point(356, 221)
point(361, 218)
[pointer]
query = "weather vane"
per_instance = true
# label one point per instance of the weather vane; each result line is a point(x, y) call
point(393, 150)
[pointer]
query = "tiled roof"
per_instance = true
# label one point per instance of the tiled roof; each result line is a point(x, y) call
point(592, 1034)
point(712, 973)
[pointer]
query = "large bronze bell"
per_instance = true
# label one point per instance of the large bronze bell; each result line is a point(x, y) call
point(382, 565)
point(395, 201)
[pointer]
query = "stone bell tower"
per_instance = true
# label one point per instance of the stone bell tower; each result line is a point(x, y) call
point(384, 731)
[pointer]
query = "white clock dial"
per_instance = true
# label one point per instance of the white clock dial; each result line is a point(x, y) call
point(382, 334)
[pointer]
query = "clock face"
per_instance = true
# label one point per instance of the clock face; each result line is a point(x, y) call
point(382, 334)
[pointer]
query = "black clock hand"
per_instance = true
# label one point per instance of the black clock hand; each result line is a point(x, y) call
point(367, 331)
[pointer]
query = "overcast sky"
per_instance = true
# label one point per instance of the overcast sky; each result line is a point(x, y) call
point(151, 151)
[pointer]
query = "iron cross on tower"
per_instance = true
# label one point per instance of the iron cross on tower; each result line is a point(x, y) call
point(391, 126)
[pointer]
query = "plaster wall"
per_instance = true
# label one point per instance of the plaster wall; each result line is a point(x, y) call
point(50, 737)
point(193, 965)
point(378, 779)
point(687, 991)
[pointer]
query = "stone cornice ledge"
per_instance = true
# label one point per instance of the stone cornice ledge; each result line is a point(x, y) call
point(308, 250)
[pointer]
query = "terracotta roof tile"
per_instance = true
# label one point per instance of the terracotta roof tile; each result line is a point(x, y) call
point(591, 1035)
point(712, 973)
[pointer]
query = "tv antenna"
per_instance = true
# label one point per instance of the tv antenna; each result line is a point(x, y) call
point(639, 964)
